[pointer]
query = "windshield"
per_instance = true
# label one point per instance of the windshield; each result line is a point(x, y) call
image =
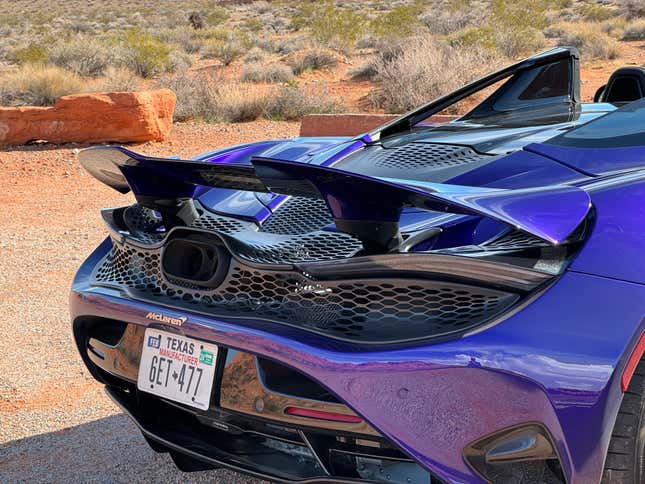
point(621, 128)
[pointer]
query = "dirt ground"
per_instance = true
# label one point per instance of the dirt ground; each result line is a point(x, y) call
point(56, 424)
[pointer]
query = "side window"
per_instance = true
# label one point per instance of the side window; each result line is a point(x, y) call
point(551, 81)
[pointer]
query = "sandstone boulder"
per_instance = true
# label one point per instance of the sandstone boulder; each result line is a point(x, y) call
point(91, 118)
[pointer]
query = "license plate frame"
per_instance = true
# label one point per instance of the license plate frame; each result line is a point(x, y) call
point(177, 368)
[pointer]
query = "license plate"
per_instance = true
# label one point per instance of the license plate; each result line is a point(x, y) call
point(177, 368)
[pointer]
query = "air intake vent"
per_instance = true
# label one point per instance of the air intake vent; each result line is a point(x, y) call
point(425, 155)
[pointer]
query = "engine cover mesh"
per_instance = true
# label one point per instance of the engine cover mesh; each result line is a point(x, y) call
point(417, 155)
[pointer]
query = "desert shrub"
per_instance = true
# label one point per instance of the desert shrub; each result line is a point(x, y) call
point(196, 20)
point(363, 71)
point(38, 85)
point(331, 25)
point(292, 102)
point(509, 32)
point(226, 51)
point(237, 105)
point(82, 55)
point(519, 14)
point(594, 12)
point(254, 55)
point(517, 26)
point(614, 27)
point(445, 21)
point(217, 15)
point(400, 21)
point(33, 53)
point(514, 43)
point(252, 25)
point(634, 30)
point(483, 37)
point(312, 59)
point(210, 98)
point(144, 53)
point(273, 72)
point(589, 39)
point(178, 61)
point(261, 6)
point(185, 37)
point(119, 79)
point(262, 43)
point(425, 69)
point(632, 9)
point(287, 46)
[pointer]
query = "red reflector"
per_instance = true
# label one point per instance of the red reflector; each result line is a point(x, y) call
point(632, 363)
point(320, 415)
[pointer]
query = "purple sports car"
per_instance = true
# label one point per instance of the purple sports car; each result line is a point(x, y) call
point(423, 303)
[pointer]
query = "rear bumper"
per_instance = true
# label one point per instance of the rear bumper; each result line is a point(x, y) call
point(171, 433)
point(553, 363)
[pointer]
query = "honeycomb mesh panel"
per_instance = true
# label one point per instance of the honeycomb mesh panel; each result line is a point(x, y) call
point(143, 224)
point(361, 310)
point(299, 215)
point(220, 223)
point(425, 155)
point(130, 267)
point(314, 246)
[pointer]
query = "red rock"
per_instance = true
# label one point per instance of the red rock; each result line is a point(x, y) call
point(90, 118)
point(350, 124)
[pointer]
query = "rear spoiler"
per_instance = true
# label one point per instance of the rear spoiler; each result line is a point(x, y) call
point(365, 207)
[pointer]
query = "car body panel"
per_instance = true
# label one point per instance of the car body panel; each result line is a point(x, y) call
point(550, 372)
point(503, 200)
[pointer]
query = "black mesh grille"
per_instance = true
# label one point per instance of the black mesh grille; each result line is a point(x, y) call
point(299, 215)
point(515, 239)
point(365, 310)
point(219, 223)
point(315, 246)
point(420, 155)
point(143, 224)
point(312, 245)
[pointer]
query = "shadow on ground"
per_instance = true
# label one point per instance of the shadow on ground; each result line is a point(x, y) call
point(106, 450)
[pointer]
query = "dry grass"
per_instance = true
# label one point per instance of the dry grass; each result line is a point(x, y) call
point(38, 85)
point(211, 98)
point(81, 54)
point(226, 51)
point(291, 102)
point(589, 38)
point(424, 70)
point(312, 59)
point(119, 79)
point(634, 30)
point(116, 44)
point(271, 73)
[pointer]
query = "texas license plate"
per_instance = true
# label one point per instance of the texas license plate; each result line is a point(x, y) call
point(177, 368)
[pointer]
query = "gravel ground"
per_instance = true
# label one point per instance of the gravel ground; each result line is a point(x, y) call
point(56, 424)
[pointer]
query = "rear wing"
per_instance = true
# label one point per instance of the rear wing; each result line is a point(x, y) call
point(366, 207)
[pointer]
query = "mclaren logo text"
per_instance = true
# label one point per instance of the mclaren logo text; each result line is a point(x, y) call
point(166, 319)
